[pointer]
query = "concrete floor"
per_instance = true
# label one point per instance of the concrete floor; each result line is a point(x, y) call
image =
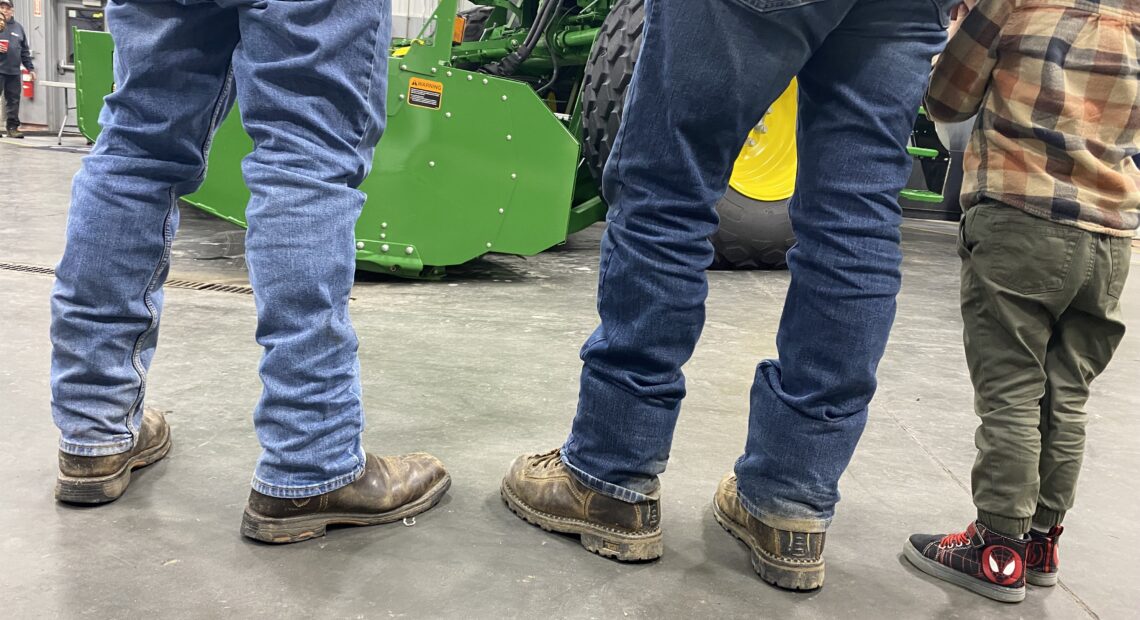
point(478, 368)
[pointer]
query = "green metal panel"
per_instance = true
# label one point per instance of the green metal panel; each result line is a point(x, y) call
point(921, 195)
point(915, 151)
point(94, 77)
point(489, 170)
point(223, 193)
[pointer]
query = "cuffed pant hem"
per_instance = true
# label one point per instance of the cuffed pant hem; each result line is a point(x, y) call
point(1013, 527)
point(771, 517)
point(603, 487)
point(104, 449)
point(289, 492)
point(1047, 518)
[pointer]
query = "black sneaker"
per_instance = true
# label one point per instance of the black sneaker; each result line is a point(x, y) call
point(979, 560)
point(1041, 559)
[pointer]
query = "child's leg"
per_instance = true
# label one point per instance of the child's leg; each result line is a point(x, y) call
point(1083, 342)
point(1039, 305)
point(1019, 273)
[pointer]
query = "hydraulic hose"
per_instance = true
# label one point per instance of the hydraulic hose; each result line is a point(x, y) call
point(553, 57)
point(510, 64)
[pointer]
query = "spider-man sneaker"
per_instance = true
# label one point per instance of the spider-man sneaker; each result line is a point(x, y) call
point(978, 559)
point(1041, 560)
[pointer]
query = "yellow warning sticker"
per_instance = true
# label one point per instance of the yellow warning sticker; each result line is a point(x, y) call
point(425, 93)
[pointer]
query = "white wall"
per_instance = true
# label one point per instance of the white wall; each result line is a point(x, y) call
point(408, 16)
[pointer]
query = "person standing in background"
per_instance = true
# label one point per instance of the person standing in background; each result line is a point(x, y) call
point(13, 53)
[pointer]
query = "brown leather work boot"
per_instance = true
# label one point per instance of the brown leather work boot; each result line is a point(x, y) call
point(390, 489)
point(789, 560)
point(102, 479)
point(541, 490)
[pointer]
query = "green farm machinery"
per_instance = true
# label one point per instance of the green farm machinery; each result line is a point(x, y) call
point(500, 119)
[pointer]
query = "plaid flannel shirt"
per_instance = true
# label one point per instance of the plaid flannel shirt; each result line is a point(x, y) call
point(1056, 87)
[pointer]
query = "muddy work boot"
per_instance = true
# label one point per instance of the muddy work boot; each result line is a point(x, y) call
point(102, 479)
point(1042, 561)
point(390, 489)
point(542, 491)
point(785, 559)
point(978, 559)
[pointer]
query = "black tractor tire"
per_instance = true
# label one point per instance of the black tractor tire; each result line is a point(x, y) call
point(606, 80)
point(754, 234)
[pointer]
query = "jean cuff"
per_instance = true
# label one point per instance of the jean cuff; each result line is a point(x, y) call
point(312, 490)
point(773, 515)
point(1012, 527)
point(104, 449)
point(603, 487)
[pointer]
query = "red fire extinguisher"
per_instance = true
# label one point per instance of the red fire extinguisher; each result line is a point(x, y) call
point(29, 85)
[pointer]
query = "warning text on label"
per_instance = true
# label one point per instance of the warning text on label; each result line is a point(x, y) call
point(425, 93)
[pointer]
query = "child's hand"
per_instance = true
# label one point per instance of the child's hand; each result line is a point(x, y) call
point(958, 14)
point(960, 11)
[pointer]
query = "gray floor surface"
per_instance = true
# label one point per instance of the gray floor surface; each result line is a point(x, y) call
point(478, 368)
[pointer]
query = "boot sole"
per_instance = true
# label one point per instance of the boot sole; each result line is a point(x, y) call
point(1041, 580)
point(106, 489)
point(785, 574)
point(973, 584)
point(604, 541)
point(296, 529)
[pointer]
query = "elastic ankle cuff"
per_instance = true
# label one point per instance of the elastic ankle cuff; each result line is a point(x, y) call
point(1006, 526)
point(1046, 518)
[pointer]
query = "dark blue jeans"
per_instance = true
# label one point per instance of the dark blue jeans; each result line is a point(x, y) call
point(708, 71)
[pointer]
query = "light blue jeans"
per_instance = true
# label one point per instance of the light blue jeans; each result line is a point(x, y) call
point(310, 79)
point(707, 72)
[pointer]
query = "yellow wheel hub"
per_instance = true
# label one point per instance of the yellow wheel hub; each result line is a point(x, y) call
point(766, 167)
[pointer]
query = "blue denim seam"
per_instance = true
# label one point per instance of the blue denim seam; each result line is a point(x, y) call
point(289, 492)
point(148, 299)
point(601, 486)
point(164, 260)
point(221, 109)
point(368, 93)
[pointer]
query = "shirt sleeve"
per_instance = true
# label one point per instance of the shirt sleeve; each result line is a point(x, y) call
point(962, 73)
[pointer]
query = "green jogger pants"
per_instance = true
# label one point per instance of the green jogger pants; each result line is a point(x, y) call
point(1041, 311)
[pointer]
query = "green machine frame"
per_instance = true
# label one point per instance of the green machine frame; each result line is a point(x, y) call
point(481, 165)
